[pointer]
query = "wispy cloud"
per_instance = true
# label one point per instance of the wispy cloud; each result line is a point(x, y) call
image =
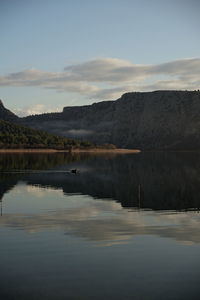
point(108, 78)
point(36, 109)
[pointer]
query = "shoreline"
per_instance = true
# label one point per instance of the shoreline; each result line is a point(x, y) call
point(97, 150)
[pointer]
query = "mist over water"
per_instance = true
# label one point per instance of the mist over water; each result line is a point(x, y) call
point(123, 227)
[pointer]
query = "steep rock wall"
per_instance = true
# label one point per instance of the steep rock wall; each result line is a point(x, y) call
point(151, 120)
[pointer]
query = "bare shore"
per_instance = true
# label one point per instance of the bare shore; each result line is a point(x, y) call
point(117, 150)
point(95, 150)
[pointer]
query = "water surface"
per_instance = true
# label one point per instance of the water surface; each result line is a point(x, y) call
point(123, 227)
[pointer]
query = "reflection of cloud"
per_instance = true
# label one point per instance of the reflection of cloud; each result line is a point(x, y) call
point(106, 222)
point(41, 192)
point(35, 191)
point(108, 78)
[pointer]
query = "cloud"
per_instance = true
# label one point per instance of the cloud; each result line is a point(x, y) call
point(112, 93)
point(105, 70)
point(108, 78)
point(36, 109)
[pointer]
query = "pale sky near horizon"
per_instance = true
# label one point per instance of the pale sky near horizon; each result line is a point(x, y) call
point(73, 52)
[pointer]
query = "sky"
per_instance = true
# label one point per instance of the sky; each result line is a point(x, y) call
point(56, 53)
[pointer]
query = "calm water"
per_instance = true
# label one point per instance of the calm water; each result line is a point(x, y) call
point(124, 227)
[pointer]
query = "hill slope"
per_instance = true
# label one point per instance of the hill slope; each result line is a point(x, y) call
point(152, 120)
point(13, 135)
point(6, 114)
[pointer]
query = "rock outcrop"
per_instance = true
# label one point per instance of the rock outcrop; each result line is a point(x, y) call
point(148, 121)
point(6, 114)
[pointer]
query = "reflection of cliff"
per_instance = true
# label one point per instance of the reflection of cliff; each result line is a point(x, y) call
point(34, 161)
point(150, 180)
point(7, 182)
point(13, 165)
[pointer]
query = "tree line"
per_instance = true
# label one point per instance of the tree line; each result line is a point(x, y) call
point(17, 136)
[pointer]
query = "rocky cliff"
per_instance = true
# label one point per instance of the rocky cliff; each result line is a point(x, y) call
point(151, 120)
point(6, 114)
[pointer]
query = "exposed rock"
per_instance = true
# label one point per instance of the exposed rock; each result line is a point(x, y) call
point(152, 120)
point(6, 114)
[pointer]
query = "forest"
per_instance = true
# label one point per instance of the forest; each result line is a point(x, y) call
point(17, 136)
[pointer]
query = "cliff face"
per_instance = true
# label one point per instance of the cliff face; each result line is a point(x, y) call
point(6, 114)
point(152, 120)
point(157, 120)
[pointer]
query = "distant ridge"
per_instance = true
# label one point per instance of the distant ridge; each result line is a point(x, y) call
point(159, 120)
point(6, 114)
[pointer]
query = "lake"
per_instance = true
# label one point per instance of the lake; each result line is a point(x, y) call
point(122, 227)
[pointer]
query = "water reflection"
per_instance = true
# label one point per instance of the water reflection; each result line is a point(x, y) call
point(124, 227)
point(94, 220)
point(157, 181)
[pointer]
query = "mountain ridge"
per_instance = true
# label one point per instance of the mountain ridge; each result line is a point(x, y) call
point(159, 120)
point(6, 114)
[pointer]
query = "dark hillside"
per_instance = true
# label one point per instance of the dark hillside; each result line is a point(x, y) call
point(146, 121)
point(160, 120)
point(6, 114)
point(13, 135)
